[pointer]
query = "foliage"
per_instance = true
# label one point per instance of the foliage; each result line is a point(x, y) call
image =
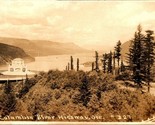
point(96, 61)
point(141, 56)
point(7, 100)
point(118, 53)
point(90, 94)
point(72, 67)
point(77, 64)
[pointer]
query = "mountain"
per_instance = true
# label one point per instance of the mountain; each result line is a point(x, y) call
point(9, 52)
point(43, 47)
point(125, 49)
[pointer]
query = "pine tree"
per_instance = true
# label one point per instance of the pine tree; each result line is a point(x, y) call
point(77, 64)
point(110, 62)
point(114, 63)
point(7, 88)
point(118, 53)
point(149, 55)
point(85, 91)
point(72, 63)
point(104, 61)
point(122, 66)
point(135, 57)
point(68, 66)
point(92, 66)
point(130, 55)
point(138, 60)
point(96, 61)
point(8, 100)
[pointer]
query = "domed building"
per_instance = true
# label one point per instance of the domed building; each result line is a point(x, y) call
point(17, 67)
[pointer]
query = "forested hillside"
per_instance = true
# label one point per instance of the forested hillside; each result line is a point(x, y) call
point(8, 52)
point(75, 96)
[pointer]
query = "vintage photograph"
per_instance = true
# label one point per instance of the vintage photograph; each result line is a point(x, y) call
point(77, 62)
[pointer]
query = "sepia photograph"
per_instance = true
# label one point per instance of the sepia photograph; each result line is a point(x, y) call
point(77, 62)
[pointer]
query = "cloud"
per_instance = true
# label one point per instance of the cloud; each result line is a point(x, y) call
point(94, 23)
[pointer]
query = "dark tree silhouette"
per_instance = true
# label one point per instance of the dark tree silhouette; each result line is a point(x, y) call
point(85, 91)
point(118, 53)
point(77, 64)
point(72, 67)
point(92, 66)
point(104, 61)
point(114, 63)
point(96, 61)
point(122, 66)
point(68, 66)
point(135, 56)
point(109, 68)
point(149, 55)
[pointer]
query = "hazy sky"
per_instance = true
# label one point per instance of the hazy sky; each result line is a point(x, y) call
point(88, 24)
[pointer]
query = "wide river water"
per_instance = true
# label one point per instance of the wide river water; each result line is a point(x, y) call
point(46, 63)
point(52, 62)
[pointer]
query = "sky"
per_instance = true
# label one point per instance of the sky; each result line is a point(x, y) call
point(89, 24)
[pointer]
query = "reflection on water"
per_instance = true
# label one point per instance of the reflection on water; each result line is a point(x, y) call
point(59, 62)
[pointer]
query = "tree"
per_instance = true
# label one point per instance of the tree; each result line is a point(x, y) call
point(109, 68)
point(68, 66)
point(118, 53)
point(7, 100)
point(114, 63)
point(96, 61)
point(122, 66)
point(72, 67)
point(7, 87)
point(77, 64)
point(135, 57)
point(85, 91)
point(149, 54)
point(130, 55)
point(104, 61)
point(92, 66)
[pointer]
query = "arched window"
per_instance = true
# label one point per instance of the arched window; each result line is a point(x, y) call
point(24, 69)
point(11, 69)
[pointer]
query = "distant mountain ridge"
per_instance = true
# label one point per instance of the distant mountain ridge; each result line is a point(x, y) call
point(43, 47)
point(8, 52)
point(125, 49)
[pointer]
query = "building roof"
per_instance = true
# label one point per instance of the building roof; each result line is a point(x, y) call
point(18, 59)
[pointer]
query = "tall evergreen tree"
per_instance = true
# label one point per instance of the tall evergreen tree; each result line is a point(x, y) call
point(71, 63)
point(114, 63)
point(130, 54)
point(68, 66)
point(96, 61)
point(110, 62)
point(135, 56)
point(122, 66)
point(92, 66)
point(149, 56)
point(104, 61)
point(118, 53)
point(77, 64)
point(85, 91)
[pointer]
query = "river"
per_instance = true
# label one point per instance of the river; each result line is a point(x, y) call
point(46, 63)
